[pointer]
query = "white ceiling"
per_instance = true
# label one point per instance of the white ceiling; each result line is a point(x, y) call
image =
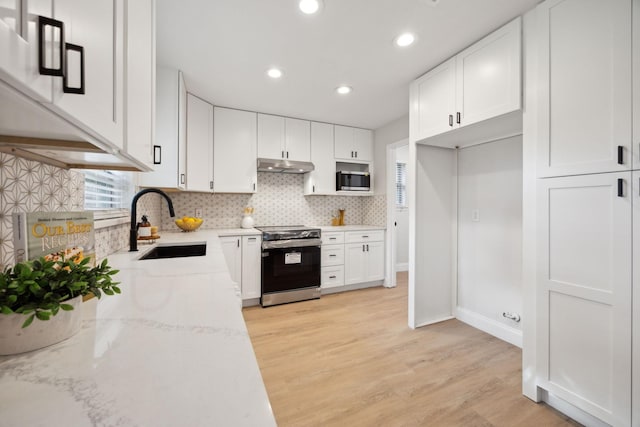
point(224, 48)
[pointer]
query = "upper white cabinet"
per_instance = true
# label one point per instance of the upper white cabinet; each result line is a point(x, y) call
point(585, 87)
point(19, 35)
point(433, 101)
point(199, 166)
point(584, 320)
point(283, 138)
point(636, 86)
point(480, 83)
point(94, 66)
point(322, 180)
point(234, 151)
point(353, 143)
point(140, 82)
point(171, 132)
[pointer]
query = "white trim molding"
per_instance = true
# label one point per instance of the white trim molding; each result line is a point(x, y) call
point(490, 326)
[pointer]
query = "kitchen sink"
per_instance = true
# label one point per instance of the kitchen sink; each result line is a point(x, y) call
point(176, 251)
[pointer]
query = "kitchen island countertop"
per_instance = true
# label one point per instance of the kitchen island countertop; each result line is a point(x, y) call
point(172, 349)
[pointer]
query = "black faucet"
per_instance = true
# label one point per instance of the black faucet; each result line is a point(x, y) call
point(133, 233)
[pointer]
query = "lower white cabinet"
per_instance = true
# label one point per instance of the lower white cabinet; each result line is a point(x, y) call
point(243, 257)
point(352, 257)
point(584, 314)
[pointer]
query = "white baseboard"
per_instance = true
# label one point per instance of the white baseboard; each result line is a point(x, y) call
point(402, 266)
point(345, 288)
point(431, 322)
point(490, 326)
point(571, 411)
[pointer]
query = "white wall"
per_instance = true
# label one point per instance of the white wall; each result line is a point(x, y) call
point(402, 219)
point(490, 245)
point(388, 134)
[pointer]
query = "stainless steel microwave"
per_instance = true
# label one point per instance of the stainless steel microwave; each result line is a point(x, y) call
point(353, 181)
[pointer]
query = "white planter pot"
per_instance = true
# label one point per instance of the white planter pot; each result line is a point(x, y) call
point(16, 339)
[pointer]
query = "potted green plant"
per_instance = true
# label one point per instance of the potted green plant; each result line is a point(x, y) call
point(49, 292)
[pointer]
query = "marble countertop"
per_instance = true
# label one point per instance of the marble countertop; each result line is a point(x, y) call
point(172, 349)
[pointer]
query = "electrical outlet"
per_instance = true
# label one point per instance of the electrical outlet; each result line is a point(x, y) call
point(198, 212)
point(475, 215)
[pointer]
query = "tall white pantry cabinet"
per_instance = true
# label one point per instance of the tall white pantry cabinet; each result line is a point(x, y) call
point(588, 294)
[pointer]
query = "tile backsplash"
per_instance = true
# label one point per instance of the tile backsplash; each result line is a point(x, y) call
point(29, 186)
point(280, 200)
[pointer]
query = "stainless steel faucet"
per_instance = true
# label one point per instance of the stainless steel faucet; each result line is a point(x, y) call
point(133, 233)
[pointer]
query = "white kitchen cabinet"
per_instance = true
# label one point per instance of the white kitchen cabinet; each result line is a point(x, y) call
point(322, 180)
point(433, 101)
point(232, 249)
point(364, 256)
point(169, 169)
point(332, 258)
point(98, 28)
point(251, 266)
point(234, 151)
point(480, 83)
point(584, 318)
point(243, 255)
point(636, 88)
point(199, 166)
point(19, 35)
point(353, 143)
point(635, 351)
point(283, 138)
point(140, 82)
point(585, 87)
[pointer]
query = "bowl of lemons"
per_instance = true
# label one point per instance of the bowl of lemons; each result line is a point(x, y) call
point(188, 223)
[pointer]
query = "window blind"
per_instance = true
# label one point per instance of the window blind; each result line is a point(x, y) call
point(401, 185)
point(107, 190)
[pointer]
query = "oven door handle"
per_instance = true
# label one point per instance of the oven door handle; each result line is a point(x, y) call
point(290, 243)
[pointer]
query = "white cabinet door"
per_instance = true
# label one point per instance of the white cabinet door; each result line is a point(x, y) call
point(584, 292)
point(322, 180)
point(171, 116)
point(140, 83)
point(251, 266)
point(19, 44)
point(297, 139)
point(332, 277)
point(636, 86)
point(488, 74)
point(635, 190)
point(332, 255)
point(585, 86)
point(270, 137)
point(199, 145)
point(232, 249)
point(98, 28)
point(375, 261)
point(234, 151)
point(433, 98)
point(355, 263)
point(363, 144)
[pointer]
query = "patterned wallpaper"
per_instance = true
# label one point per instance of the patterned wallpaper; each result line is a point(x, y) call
point(279, 201)
point(28, 186)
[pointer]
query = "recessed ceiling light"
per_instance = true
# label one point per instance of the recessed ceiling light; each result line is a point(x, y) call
point(343, 90)
point(404, 40)
point(274, 73)
point(309, 6)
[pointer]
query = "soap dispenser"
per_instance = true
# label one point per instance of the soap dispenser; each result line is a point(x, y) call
point(144, 227)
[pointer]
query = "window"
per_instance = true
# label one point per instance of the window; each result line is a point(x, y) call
point(108, 191)
point(401, 185)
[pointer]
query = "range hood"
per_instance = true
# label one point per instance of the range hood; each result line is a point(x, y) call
point(284, 166)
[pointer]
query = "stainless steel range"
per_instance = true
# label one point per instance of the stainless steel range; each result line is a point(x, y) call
point(290, 264)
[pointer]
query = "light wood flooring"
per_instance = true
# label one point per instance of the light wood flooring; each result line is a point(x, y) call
point(350, 359)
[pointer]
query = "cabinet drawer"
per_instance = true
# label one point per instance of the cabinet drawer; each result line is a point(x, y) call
point(332, 255)
point(332, 276)
point(333, 238)
point(364, 236)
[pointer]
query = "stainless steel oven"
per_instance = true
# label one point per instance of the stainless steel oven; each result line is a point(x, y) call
point(290, 264)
